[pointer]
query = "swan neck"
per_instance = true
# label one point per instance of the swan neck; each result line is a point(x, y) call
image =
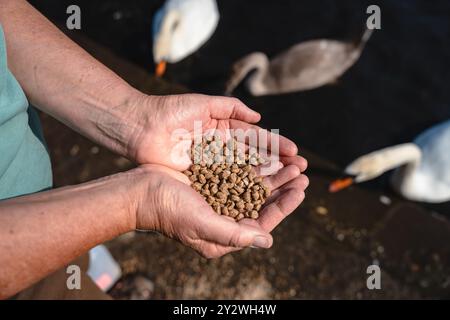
point(407, 155)
point(255, 82)
point(256, 61)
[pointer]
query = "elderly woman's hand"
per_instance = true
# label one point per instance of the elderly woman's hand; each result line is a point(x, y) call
point(169, 205)
point(153, 123)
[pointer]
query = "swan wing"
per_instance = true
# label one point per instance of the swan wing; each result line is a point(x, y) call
point(313, 63)
point(435, 146)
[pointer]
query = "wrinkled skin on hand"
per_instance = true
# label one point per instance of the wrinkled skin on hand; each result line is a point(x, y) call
point(160, 116)
point(169, 204)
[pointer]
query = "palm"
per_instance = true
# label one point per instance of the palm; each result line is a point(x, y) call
point(205, 231)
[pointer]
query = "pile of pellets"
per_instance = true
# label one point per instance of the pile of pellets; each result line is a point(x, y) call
point(225, 177)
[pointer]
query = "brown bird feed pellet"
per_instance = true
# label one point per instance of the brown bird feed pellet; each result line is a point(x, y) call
point(226, 179)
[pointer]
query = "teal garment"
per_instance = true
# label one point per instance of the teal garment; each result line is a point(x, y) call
point(24, 161)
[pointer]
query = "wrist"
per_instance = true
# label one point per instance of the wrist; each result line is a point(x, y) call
point(139, 117)
point(119, 194)
point(118, 118)
point(140, 213)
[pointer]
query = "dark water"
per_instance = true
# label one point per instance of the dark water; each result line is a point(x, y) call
point(399, 87)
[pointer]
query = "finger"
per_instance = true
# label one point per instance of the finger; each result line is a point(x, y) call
point(298, 161)
point(287, 199)
point(224, 108)
point(269, 168)
point(283, 176)
point(263, 139)
point(222, 231)
point(219, 250)
point(300, 182)
point(255, 139)
point(273, 214)
point(212, 250)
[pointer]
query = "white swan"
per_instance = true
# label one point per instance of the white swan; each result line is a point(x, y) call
point(305, 66)
point(423, 167)
point(180, 27)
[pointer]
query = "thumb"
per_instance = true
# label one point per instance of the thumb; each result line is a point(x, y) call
point(224, 231)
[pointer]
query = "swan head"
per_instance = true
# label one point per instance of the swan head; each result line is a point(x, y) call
point(362, 169)
point(180, 28)
point(373, 165)
point(367, 167)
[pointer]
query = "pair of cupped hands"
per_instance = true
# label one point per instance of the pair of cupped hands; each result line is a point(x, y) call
point(167, 203)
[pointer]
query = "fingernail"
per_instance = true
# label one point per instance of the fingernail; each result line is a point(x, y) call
point(261, 242)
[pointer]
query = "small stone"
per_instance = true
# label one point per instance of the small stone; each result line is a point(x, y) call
point(321, 211)
point(385, 200)
point(74, 150)
point(95, 150)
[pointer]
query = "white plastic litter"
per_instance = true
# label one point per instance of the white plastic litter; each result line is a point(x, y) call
point(103, 269)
